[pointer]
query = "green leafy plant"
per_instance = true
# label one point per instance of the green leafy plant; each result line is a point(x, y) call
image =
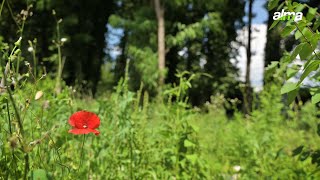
point(307, 36)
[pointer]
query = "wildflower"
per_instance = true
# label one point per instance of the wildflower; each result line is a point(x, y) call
point(237, 168)
point(17, 43)
point(30, 49)
point(63, 40)
point(38, 95)
point(84, 122)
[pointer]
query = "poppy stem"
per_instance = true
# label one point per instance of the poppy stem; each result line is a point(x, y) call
point(81, 153)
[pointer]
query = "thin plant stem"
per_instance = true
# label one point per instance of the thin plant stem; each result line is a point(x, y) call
point(34, 63)
point(131, 152)
point(26, 165)
point(10, 130)
point(9, 119)
point(17, 113)
point(14, 104)
point(81, 153)
point(19, 57)
point(58, 44)
point(12, 15)
point(1, 7)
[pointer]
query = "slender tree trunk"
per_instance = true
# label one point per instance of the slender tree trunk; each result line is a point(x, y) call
point(161, 40)
point(248, 93)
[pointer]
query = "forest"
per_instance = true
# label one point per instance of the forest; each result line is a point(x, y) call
point(159, 89)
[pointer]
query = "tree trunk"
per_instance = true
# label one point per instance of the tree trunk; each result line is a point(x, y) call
point(161, 40)
point(248, 91)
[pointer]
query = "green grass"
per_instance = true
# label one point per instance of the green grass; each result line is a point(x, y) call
point(152, 139)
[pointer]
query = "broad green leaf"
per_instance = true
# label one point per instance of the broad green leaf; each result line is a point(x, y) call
point(316, 24)
point(285, 58)
point(291, 96)
point(183, 163)
point(300, 7)
point(40, 174)
point(272, 4)
point(296, 51)
point(289, 6)
point(312, 66)
point(318, 129)
point(315, 98)
point(173, 159)
point(288, 87)
point(192, 158)
point(287, 30)
point(274, 24)
point(306, 51)
point(291, 72)
point(273, 65)
point(311, 13)
point(280, 6)
point(301, 25)
point(188, 143)
point(309, 60)
point(314, 91)
point(307, 34)
point(194, 127)
point(297, 35)
point(297, 151)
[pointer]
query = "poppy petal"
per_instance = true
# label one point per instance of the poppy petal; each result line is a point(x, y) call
point(93, 121)
point(96, 132)
point(77, 119)
point(84, 122)
point(84, 131)
point(79, 131)
point(72, 120)
point(81, 119)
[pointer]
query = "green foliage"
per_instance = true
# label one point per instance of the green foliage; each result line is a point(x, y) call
point(145, 63)
point(305, 31)
point(197, 36)
point(39, 174)
point(306, 47)
point(260, 144)
point(197, 30)
point(163, 138)
point(272, 4)
point(143, 139)
point(81, 23)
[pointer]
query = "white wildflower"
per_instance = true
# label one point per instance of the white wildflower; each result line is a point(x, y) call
point(17, 43)
point(38, 95)
point(30, 49)
point(237, 168)
point(63, 40)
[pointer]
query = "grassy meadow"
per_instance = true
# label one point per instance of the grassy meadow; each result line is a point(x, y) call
point(153, 139)
point(137, 90)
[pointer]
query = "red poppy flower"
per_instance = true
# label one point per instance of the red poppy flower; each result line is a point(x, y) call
point(84, 122)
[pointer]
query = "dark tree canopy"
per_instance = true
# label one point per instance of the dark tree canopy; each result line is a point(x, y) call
point(198, 39)
point(83, 24)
